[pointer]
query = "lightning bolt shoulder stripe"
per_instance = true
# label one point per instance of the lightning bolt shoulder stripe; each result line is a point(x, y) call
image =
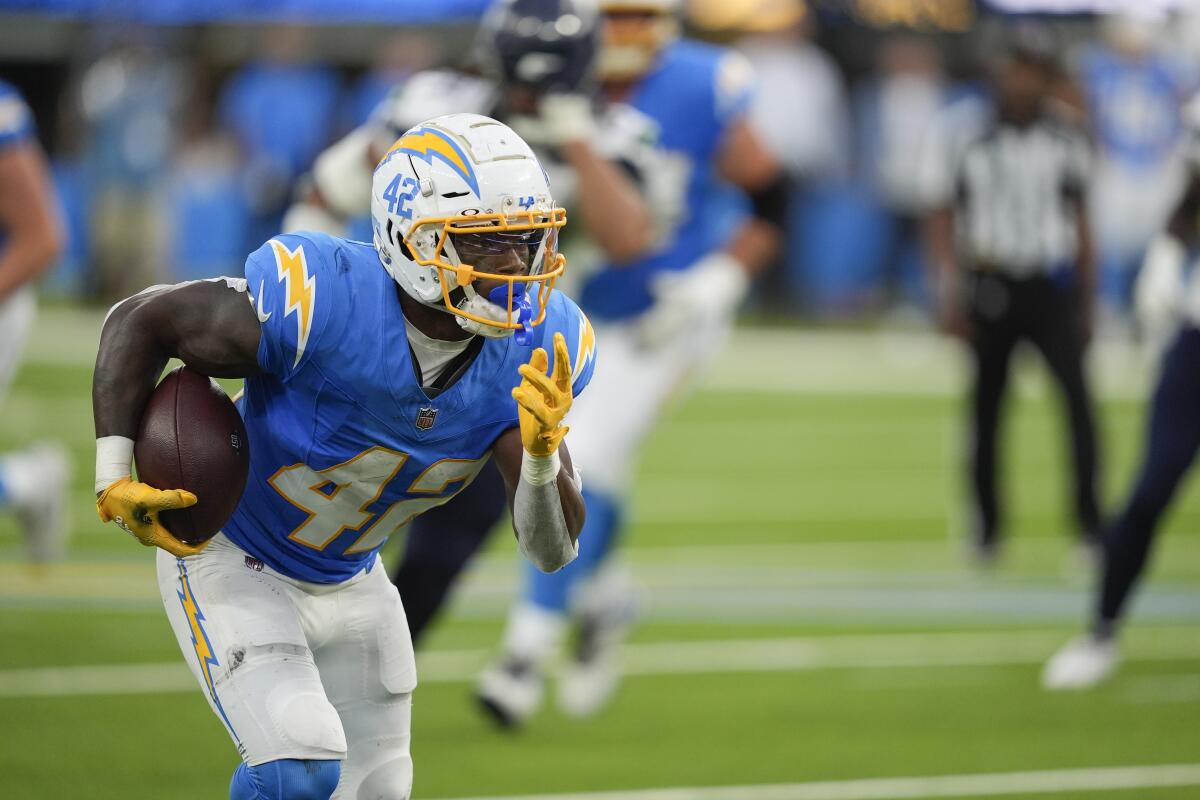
point(585, 350)
point(300, 290)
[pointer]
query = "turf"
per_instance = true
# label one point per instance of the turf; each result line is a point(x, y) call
point(759, 516)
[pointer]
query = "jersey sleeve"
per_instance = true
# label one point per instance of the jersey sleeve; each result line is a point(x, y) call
point(565, 317)
point(301, 298)
point(16, 121)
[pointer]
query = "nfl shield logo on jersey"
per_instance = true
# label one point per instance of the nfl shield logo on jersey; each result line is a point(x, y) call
point(426, 417)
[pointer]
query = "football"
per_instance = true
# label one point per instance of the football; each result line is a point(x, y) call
point(192, 437)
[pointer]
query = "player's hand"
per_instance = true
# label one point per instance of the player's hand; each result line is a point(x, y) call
point(566, 118)
point(543, 400)
point(135, 508)
point(1159, 290)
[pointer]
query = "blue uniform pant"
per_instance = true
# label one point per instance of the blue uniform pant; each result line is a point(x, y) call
point(441, 543)
point(1172, 438)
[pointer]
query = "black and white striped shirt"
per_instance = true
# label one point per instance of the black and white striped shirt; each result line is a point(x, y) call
point(1015, 191)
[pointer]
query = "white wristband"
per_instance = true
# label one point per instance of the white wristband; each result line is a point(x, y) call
point(114, 460)
point(539, 470)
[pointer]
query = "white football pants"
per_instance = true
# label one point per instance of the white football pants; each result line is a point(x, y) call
point(629, 390)
point(299, 670)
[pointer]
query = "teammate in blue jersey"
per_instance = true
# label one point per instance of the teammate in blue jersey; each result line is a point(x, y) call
point(378, 381)
point(671, 114)
point(32, 481)
point(599, 156)
point(658, 319)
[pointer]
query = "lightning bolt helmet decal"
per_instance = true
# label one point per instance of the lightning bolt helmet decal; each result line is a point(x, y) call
point(430, 143)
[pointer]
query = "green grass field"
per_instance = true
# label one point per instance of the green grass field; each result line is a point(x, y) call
point(810, 619)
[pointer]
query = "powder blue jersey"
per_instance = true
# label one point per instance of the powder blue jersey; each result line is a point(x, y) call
point(345, 446)
point(694, 93)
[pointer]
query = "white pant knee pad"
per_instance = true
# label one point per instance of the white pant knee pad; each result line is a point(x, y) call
point(389, 780)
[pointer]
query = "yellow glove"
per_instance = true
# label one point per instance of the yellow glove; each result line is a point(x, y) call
point(543, 401)
point(135, 507)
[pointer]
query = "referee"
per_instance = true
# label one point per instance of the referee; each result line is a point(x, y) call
point(1012, 255)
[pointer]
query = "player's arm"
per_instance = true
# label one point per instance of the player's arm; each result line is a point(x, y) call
point(612, 208)
point(1085, 267)
point(28, 216)
point(746, 162)
point(943, 271)
point(609, 202)
point(938, 169)
point(543, 488)
point(1076, 178)
point(211, 327)
point(713, 287)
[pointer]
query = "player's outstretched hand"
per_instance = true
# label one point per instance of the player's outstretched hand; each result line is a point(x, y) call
point(543, 400)
point(135, 508)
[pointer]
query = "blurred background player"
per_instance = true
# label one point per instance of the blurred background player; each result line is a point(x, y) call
point(1167, 293)
point(657, 320)
point(1011, 248)
point(1134, 90)
point(32, 482)
point(596, 155)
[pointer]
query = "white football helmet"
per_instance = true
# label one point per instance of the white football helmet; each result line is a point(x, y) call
point(461, 200)
point(631, 45)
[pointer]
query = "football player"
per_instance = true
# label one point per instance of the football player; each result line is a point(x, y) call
point(378, 382)
point(1167, 294)
point(32, 482)
point(536, 71)
point(658, 319)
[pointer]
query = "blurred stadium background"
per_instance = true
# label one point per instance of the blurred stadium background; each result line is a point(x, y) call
point(810, 616)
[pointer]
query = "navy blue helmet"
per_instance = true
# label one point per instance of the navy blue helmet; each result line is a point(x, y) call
point(543, 45)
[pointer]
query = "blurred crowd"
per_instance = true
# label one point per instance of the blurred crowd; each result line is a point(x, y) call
point(173, 166)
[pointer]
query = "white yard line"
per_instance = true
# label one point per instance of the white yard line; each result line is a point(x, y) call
point(986, 784)
point(794, 654)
